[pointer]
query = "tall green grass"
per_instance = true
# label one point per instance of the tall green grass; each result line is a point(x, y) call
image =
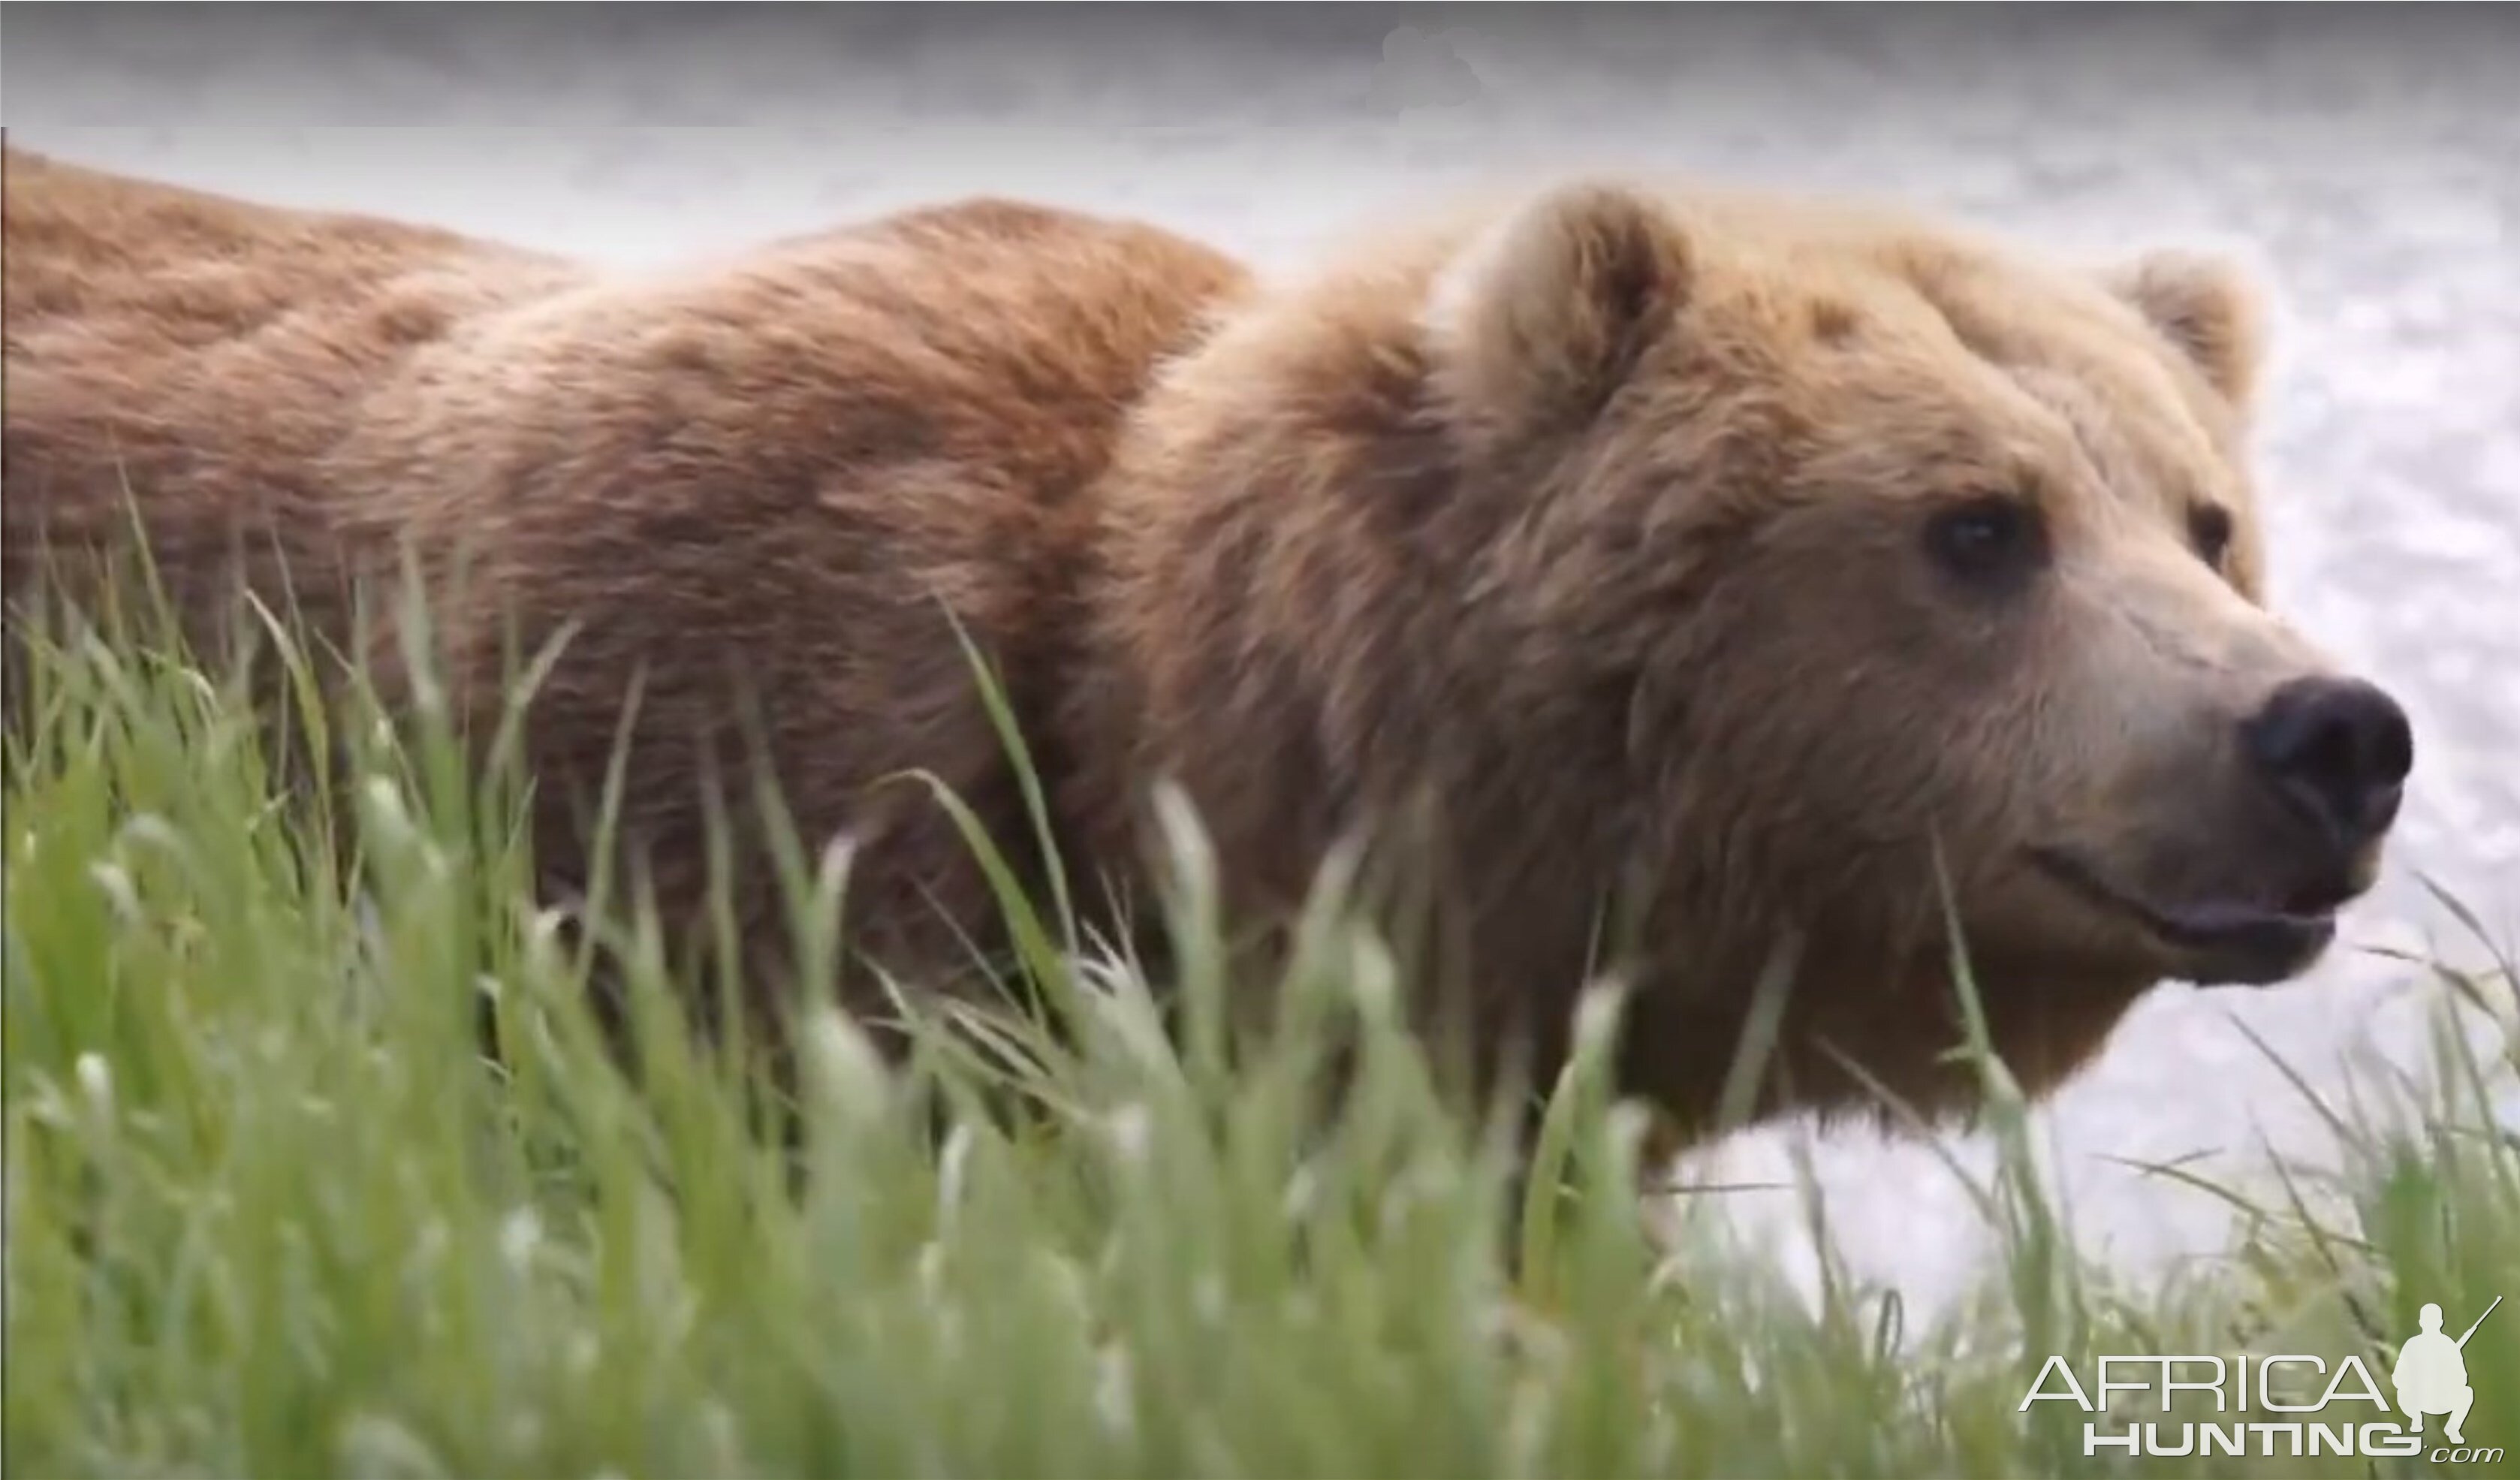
point(272, 1212)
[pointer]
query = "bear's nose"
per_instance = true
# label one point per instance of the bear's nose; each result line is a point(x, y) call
point(2338, 751)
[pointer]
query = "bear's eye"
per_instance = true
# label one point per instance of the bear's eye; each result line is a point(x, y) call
point(2209, 529)
point(1987, 541)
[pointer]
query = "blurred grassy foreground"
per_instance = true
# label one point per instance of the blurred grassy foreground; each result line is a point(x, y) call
point(271, 1212)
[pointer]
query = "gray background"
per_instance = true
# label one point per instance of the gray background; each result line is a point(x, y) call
point(2366, 158)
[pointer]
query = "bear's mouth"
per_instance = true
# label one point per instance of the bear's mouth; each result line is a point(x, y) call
point(2224, 942)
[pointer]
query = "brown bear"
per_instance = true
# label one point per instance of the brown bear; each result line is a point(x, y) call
point(1722, 590)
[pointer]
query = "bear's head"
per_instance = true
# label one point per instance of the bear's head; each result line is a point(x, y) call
point(1795, 582)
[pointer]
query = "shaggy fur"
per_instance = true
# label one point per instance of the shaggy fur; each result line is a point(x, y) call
point(1591, 556)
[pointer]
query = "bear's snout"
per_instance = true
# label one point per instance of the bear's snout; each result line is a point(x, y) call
point(2337, 753)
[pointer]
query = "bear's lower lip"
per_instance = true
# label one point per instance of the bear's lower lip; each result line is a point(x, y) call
point(2225, 943)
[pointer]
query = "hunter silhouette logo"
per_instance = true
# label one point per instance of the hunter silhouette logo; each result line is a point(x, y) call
point(2431, 1374)
point(2278, 1404)
point(1423, 71)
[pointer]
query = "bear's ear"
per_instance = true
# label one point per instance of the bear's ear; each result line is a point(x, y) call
point(2207, 307)
point(1537, 321)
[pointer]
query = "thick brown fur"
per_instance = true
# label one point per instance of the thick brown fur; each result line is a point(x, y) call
point(1567, 551)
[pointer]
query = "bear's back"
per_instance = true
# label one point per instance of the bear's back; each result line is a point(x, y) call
point(740, 495)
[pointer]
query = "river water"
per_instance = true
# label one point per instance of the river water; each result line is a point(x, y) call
point(2363, 157)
